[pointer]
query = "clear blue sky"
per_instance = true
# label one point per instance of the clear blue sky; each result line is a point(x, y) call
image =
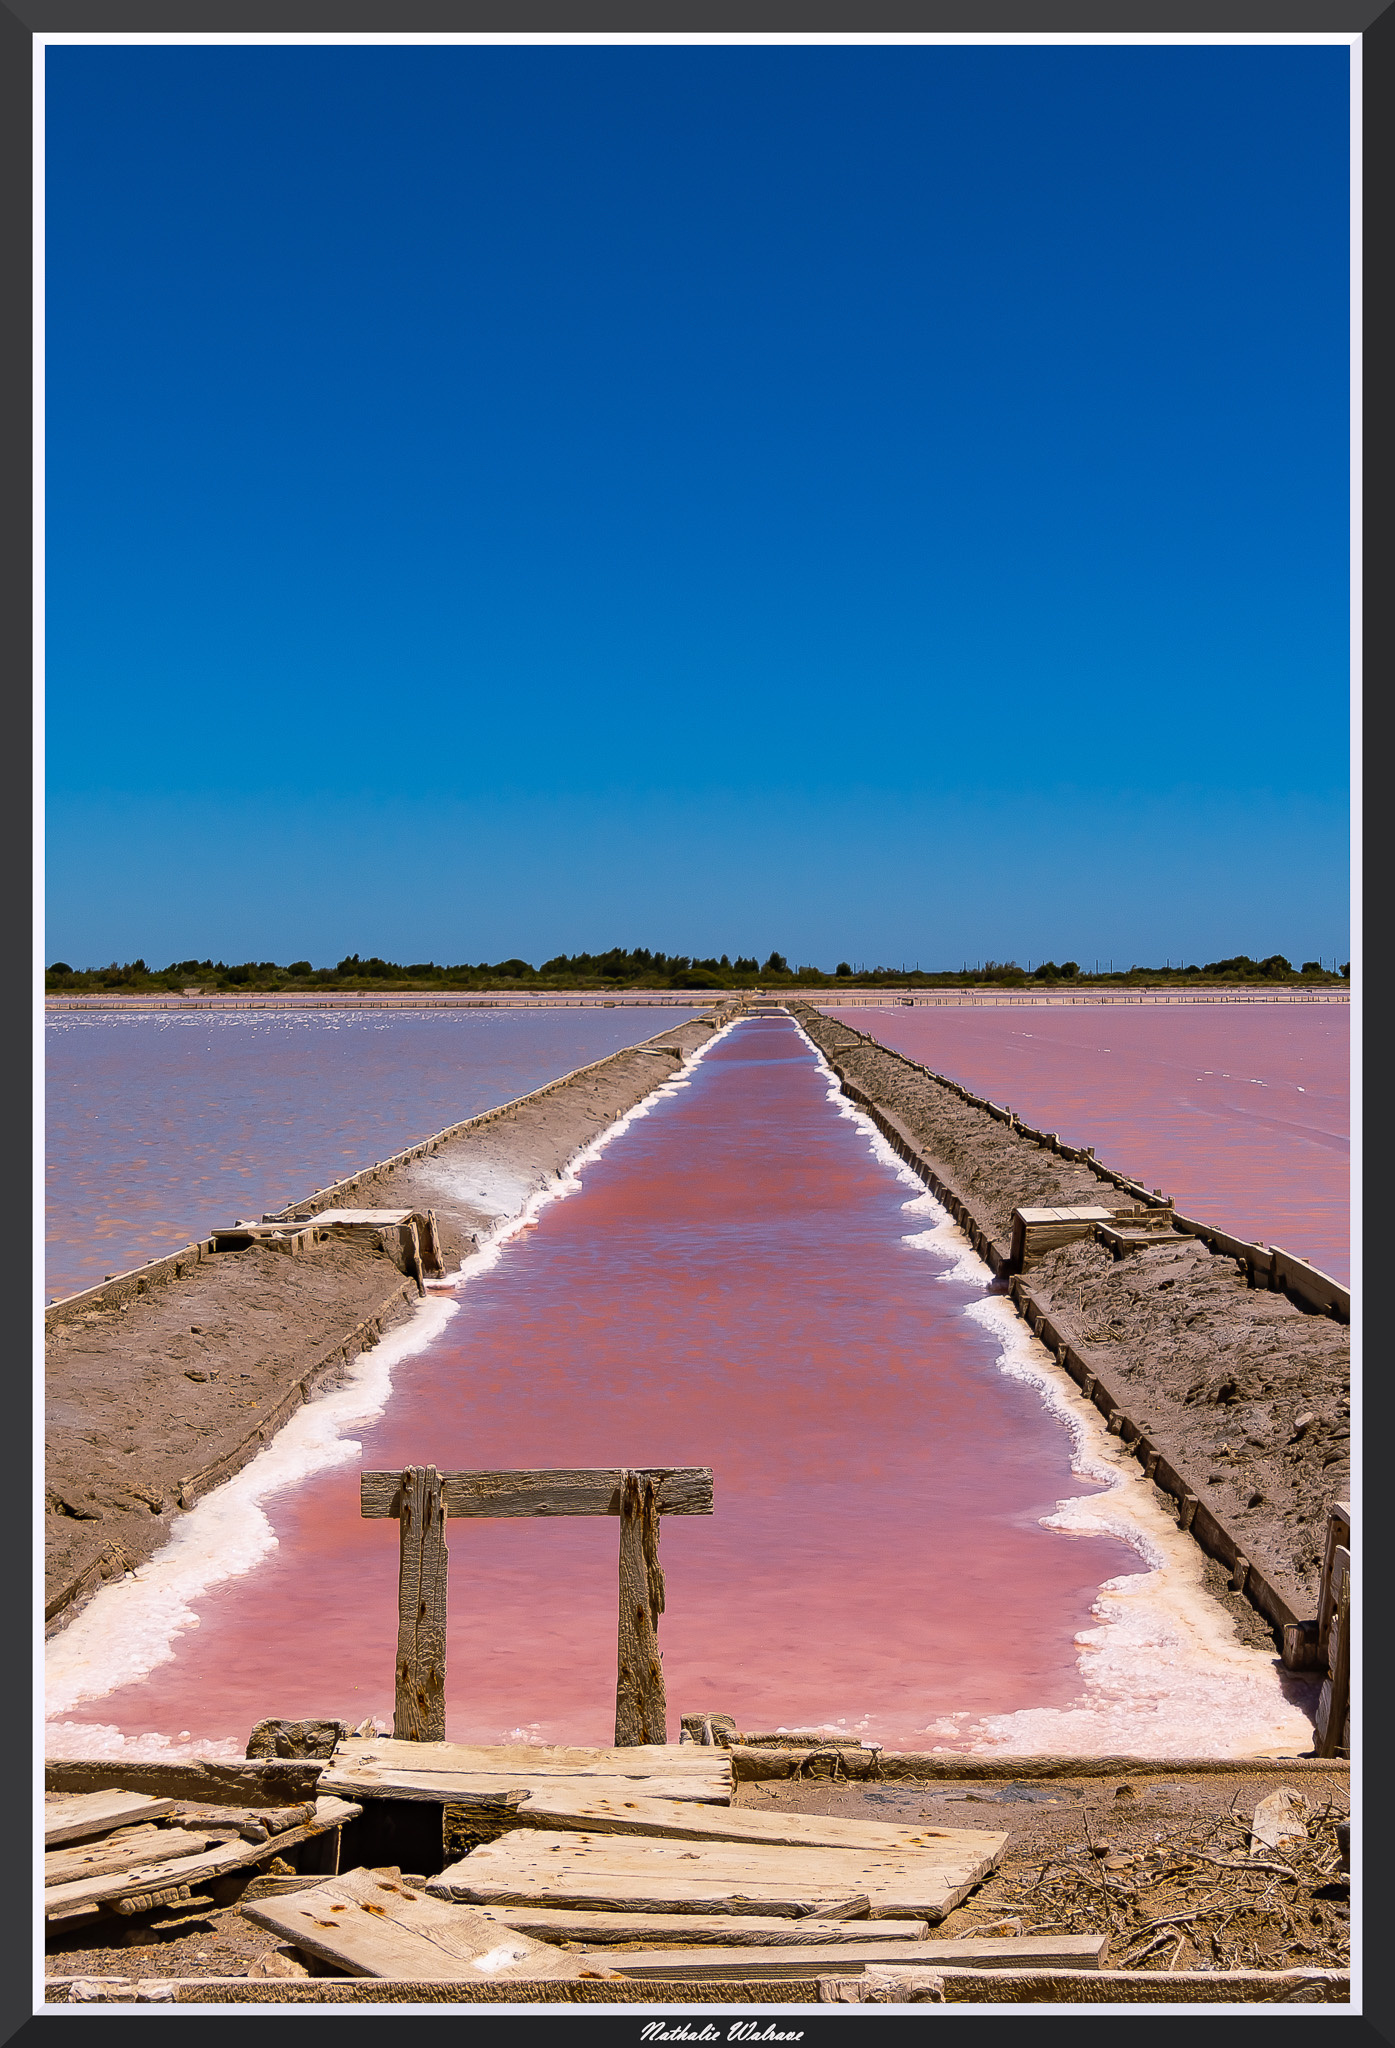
point(882, 503)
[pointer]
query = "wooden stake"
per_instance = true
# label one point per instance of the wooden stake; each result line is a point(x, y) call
point(640, 1706)
point(420, 1711)
point(1334, 1696)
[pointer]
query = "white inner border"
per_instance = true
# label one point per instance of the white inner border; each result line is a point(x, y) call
point(843, 38)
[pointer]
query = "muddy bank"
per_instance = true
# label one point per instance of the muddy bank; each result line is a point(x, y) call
point(163, 1384)
point(1250, 1392)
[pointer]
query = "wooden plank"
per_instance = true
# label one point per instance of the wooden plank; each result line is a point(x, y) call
point(101, 1859)
point(261, 1782)
point(450, 1773)
point(196, 1869)
point(640, 1706)
point(1338, 1532)
point(1306, 1281)
point(885, 1984)
point(560, 1806)
point(923, 1766)
point(383, 1217)
point(370, 1924)
point(683, 1490)
point(1030, 1952)
point(1092, 1215)
point(554, 1923)
point(183, 1870)
point(1019, 1951)
point(78, 1816)
point(419, 1714)
point(627, 1873)
point(736, 1964)
point(262, 1820)
point(1006, 1987)
point(555, 1760)
point(510, 1788)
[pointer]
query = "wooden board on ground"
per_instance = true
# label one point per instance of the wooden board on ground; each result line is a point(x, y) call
point(559, 1805)
point(628, 1873)
point(370, 1924)
point(998, 1987)
point(1024, 1952)
point(882, 1985)
point(552, 1923)
point(194, 1870)
point(78, 1816)
point(507, 1789)
point(456, 1774)
point(104, 1859)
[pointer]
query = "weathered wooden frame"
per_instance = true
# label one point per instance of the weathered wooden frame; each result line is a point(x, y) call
point(420, 1498)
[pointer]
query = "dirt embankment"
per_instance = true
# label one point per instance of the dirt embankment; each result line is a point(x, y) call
point(1252, 1389)
point(154, 1397)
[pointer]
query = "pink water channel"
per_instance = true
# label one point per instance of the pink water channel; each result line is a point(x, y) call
point(730, 1287)
point(1241, 1111)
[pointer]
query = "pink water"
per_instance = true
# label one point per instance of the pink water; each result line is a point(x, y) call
point(1241, 1111)
point(160, 1128)
point(730, 1288)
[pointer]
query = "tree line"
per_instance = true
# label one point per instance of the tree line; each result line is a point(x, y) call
point(637, 967)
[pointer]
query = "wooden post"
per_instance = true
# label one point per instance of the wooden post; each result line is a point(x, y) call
point(412, 1250)
point(419, 1714)
point(1334, 1696)
point(640, 1706)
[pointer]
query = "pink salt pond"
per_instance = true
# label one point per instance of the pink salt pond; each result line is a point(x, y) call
point(1240, 1111)
point(730, 1287)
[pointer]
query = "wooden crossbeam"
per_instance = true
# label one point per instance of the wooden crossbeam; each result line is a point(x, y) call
point(682, 1490)
point(420, 1498)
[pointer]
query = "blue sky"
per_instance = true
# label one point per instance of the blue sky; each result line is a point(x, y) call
point(875, 503)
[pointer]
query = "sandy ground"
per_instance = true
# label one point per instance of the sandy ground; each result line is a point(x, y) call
point(142, 1396)
point(1223, 1371)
